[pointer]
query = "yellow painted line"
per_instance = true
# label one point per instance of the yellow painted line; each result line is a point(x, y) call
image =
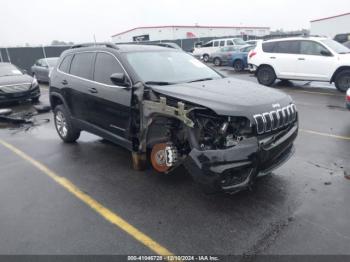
point(93, 204)
point(324, 134)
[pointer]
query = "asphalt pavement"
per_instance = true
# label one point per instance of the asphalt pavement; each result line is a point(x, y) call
point(49, 191)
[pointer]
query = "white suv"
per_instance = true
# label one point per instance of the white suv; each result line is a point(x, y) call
point(302, 58)
point(205, 51)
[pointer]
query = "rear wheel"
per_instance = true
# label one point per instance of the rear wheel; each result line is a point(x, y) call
point(342, 81)
point(238, 65)
point(205, 58)
point(217, 61)
point(64, 125)
point(266, 75)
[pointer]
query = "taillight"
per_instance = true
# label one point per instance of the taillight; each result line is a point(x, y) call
point(252, 53)
point(348, 98)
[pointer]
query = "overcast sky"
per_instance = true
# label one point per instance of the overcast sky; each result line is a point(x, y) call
point(41, 21)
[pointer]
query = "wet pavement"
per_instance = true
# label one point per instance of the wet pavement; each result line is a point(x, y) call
point(303, 208)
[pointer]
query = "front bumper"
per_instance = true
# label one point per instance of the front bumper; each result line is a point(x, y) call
point(20, 96)
point(235, 169)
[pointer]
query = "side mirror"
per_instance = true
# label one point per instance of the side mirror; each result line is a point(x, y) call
point(119, 79)
point(24, 71)
point(326, 53)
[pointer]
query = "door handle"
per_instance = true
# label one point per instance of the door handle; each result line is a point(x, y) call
point(64, 82)
point(273, 57)
point(301, 58)
point(93, 90)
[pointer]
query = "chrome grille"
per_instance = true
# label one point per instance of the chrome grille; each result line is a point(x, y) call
point(15, 88)
point(270, 121)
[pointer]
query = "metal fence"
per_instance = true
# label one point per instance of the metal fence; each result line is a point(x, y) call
point(25, 57)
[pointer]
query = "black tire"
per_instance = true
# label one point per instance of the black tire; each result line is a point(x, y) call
point(206, 58)
point(266, 76)
point(63, 120)
point(342, 80)
point(238, 65)
point(217, 61)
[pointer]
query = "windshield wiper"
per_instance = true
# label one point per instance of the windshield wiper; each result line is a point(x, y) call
point(158, 83)
point(201, 79)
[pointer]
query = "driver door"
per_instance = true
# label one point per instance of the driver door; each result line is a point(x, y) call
point(110, 105)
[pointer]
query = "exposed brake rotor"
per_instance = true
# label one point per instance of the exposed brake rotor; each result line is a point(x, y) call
point(163, 157)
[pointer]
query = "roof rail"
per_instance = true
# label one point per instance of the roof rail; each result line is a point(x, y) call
point(106, 44)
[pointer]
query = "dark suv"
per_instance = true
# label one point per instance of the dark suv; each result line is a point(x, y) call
point(166, 106)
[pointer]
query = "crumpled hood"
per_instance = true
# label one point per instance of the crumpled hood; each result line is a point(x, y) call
point(228, 96)
point(17, 79)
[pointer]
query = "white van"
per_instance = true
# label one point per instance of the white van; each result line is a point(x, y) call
point(205, 51)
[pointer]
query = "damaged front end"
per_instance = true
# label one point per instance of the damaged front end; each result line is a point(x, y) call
point(221, 153)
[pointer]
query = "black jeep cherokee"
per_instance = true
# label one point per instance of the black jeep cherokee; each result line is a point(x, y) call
point(166, 106)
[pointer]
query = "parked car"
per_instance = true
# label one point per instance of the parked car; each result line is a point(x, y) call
point(223, 56)
point(347, 99)
point(16, 85)
point(239, 59)
point(165, 103)
point(42, 67)
point(302, 58)
point(205, 51)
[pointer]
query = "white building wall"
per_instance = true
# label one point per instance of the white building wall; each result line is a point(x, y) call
point(331, 27)
point(173, 33)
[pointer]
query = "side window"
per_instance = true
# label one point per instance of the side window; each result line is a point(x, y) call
point(105, 66)
point(287, 47)
point(222, 43)
point(268, 47)
point(311, 48)
point(209, 44)
point(216, 43)
point(229, 42)
point(65, 64)
point(82, 65)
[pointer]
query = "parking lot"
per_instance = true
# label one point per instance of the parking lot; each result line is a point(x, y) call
point(85, 198)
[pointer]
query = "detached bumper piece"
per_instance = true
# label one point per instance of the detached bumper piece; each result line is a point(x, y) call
point(235, 169)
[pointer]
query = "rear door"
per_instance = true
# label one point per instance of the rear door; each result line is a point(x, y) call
point(81, 87)
point(313, 63)
point(282, 56)
point(111, 103)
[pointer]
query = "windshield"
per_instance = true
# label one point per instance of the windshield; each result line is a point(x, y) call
point(9, 70)
point(335, 46)
point(239, 41)
point(51, 61)
point(169, 67)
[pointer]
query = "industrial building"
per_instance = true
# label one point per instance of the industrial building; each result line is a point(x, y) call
point(331, 26)
point(175, 32)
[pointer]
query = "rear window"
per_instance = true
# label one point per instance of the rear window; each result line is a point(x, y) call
point(268, 47)
point(64, 66)
point(82, 65)
point(282, 47)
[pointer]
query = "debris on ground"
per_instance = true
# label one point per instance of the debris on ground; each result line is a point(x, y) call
point(328, 183)
point(23, 120)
